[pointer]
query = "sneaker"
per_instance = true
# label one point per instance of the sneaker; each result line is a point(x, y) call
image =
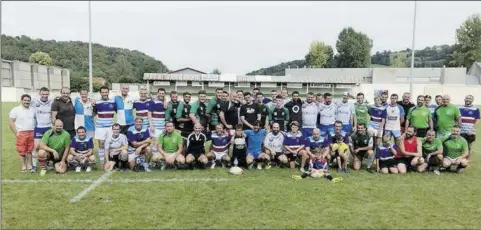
point(345, 170)
point(259, 166)
point(123, 170)
point(338, 170)
point(33, 170)
point(223, 164)
point(212, 166)
point(296, 177)
point(459, 170)
point(43, 172)
point(89, 169)
point(336, 180)
point(162, 166)
point(78, 169)
point(268, 166)
point(24, 170)
point(250, 166)
point(436, 171)
point(302, 170)
point(147, 169)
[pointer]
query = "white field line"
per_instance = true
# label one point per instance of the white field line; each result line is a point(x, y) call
point(92, 186)
point(126, 181)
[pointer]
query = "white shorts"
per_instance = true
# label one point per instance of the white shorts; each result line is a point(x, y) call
point(452, 160)
point(374, 132)
point(132, 156)
point(219, 155)
point(156, 133)
point(102, 133)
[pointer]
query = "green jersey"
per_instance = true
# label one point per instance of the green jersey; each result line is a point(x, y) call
point(430, 147)
point(362, 113)
point(59, 142)
point(361, 140)
point(199, 109)
point(446, 117)
point(213, 108)
point(454, 147)
point(170, 142)
point(418, 117)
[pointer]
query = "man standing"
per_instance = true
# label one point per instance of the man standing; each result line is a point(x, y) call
point(310, 110)
point(268, 101)
point(394, 119)
point(172, 107)
point(170, 147)
point(406, 104)
point(384, 96)
point(104, 109)
point(285, 96)
point(157, 117)
point(42, 106)
point(124, 105)
point(420, 118)
point(447, 116)
point(22, 124)
point(229, 114)
point(469, 121)
point(139, 145)
point(81, 151)
point(295, 109)
point(377, 112)
point(213, 108)
point(62, 109)
point(264, 110)
point(250, 112)
point(142, 107)
point(327, 112)
point(456, 150)
point(362, 146)
point(84, 112)
point(184, 122)
point(362, 109)
point(279, 114)
point(198, 110)
point(54, 146)
point(346, 114)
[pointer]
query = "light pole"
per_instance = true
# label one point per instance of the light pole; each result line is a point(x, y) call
point(412, 50)
point(91, 91)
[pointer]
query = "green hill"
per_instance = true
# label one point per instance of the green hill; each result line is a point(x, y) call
point(113, 64)
point(279, 70)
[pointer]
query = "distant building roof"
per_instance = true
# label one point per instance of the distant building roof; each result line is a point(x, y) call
point(188, 69)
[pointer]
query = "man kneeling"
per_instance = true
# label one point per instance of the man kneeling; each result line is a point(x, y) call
point(116, 146)
point(170, 147)
point(219, 148)
point(139, 146)
point(255, 138)
point(195, 147)
point(81, 151)
point(54, 146)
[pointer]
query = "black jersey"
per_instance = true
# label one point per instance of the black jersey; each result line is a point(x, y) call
point(195, 143)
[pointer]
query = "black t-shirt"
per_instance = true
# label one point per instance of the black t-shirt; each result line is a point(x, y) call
point(231, 112)
point(264, 114)
point(406, 108)
point(240, 147)
point(195, 143)
point(185, 126)
point(250, 112)
point(65, 113)
point(295, 111)
point(173, 113)
point(201, 112)
point(279, 116)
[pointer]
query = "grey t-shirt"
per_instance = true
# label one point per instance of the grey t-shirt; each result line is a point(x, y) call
point(115, 143)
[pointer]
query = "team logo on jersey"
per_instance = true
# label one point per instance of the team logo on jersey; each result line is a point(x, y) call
point(275, 113)
point(111, 106)
point(218, 106)
point(304, 105)
point(264, 110)
point(295, 109)
point(250, 110)
point(470, 112)
point(174, 110)
point(130, 102)
point(186, 110)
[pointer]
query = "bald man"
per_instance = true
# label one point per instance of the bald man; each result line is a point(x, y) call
point(54, 146)
point(447, 116)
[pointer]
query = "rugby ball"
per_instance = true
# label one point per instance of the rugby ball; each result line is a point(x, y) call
point(236, 170)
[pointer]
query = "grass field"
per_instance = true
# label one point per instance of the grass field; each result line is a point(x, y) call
point(215, 199)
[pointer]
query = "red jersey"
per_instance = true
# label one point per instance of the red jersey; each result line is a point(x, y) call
point(409, 146)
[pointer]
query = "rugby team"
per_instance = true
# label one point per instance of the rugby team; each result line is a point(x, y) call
point(396, 136)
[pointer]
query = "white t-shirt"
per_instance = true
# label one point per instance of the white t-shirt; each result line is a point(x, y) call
point(345, 112)
point(274, 142)
point(24, 118)
point(393, 117)
point(309, 114)
point(328, 113)
point(115, 143)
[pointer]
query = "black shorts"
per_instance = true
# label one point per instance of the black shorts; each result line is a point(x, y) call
point(387, 163)
point(362, 154)
point(422, 132)
point(51, 158)
point(432, 160)
point(196, 155)
point(124, 129)
point(469, 138)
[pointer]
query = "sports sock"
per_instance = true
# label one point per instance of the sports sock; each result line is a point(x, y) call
point(460, 166)
point(304, 175)
point(101, 156)
point(34, 159)
point(328, 176)
point(370, 159)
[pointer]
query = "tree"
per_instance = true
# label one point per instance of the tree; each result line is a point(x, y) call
point(96, 86)
point(398, 60)
point(41, 58)
point(467, 49)
point(77, 83)
point(216, 71)
point(354, 49)
point(320, 55)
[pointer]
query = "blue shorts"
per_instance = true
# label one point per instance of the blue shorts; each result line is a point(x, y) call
point(392, 133)
point(40, 131)
point(307, 132)
point(347, 128)
point(326, 128)
point(254, 155)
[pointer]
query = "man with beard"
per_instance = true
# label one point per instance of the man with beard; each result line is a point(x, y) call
point(420, 118)
point(157, 117)
point(54, 146)
point(331, 141)
point(410, 154)
point(394, 119)
point(447, 116)
point(264, 110)
point(432, 151)
point(406, 104)
point(279, 114)
point(142, 107)
point(327, 111)
point(309, 110)
point(170, 146)
point(139, 145)
point(455, 151)
point(104, 109)
point(125, 113)
point(171, 110)
point(317, 147)
point(184, 122)
point(198, 110)
point(62, 108)
point(22, 124)
point(361, 147)
point(377, 112)
point(384, 97)
point(116, 145)
point(84, 113)
point(469, 121)
point(274, 143)
point(250, 112)
point(42, 106)
point(295, 108)
point(361, 109)
point(255, 138)
point(81, 151)
point(219, 148)
point(214, 107)
point(346, 113)
point(229, 113)
point(294, 145)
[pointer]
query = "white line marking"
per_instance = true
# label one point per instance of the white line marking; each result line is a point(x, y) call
point(124, 181)
point(91, 187)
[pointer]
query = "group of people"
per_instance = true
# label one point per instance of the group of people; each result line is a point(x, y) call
point(244, 129)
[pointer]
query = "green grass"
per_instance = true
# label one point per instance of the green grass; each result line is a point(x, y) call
point(257, 199)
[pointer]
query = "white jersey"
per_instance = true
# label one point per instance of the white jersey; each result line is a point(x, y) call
point(42, 112)
point(115, 143)
point(345, 112)
point(274, 142)
point(309, 115)
point(328, 113)
point(393, 117)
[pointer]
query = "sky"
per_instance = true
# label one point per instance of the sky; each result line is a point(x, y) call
point(235, 37)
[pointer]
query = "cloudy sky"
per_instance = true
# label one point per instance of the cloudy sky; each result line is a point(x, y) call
point(235, 37)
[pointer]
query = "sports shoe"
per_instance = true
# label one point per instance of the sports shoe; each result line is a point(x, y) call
point(147, 169)
point(345, 170)
point(78, 169)
point(436, 171)
point(223, 164)
point(33, 170)
point(459, 170)
point(336, 180)
point(338, 170)
point(89, 169)
point(213, 165)
point(259, 166)
point(268, 166)
point(24, 170)
point(250, 166)
point(302, 170)
point(296, 177)
point(43, 172)
point(162, 166)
